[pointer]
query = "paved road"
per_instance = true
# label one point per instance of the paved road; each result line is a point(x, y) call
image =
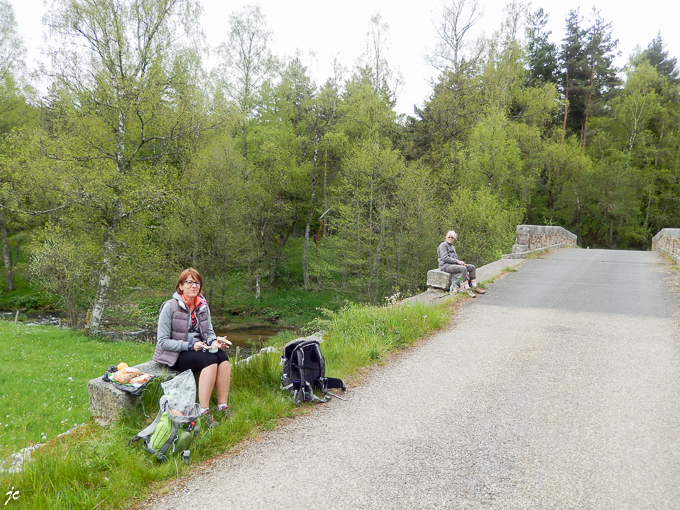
point(558, 389)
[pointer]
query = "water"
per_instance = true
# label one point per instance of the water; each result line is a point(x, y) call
point(33, 319)
point(246, 338)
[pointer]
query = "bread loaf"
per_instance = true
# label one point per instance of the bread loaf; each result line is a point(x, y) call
point(140, 379)
point(126, 375)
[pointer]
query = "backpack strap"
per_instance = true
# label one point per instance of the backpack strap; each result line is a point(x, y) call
point(313, 397)
point(330, 382)
point(170, 441)
point(146, 433)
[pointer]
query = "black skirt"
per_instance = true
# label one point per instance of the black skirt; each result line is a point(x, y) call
point(198, 360)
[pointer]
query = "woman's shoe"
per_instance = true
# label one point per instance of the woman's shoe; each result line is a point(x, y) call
point(208, 421)
point(479, 290)
point(470, 293)
point(225, 412)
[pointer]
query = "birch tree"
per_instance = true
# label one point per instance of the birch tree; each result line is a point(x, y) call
point(123, 106)
point(14, 113)
point(246, 64)
point(454, 46)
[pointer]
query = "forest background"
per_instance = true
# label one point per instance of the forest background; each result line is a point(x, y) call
point(137, 162)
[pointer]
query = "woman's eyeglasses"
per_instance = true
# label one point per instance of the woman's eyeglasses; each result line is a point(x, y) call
point(190, 283)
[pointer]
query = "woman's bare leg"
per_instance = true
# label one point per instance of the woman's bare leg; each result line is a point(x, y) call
point(206, 383)
point(222, 382)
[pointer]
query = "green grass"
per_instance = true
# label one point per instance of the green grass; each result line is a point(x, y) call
point(294, 307)
point(361, 335)
point(94, 467)
point(44, 378)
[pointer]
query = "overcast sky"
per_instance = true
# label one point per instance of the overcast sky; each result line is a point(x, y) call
point(338, 30)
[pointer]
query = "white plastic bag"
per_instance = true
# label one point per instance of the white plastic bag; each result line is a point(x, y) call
point(181, 392)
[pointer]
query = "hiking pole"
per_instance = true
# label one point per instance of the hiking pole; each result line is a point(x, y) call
point(336, 396)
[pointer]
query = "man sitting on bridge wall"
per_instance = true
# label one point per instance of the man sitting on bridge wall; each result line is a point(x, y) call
point(448, 261)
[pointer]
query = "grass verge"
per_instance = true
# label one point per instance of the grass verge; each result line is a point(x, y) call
point(44, 379)
point(94, 467)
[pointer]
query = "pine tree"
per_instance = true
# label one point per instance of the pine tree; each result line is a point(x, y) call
point(657, 55)
point(574, 76)
point(600, 47)
point(542, 54)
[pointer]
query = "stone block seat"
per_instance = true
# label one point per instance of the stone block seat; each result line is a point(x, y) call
point(438, 279)
point(108, 402)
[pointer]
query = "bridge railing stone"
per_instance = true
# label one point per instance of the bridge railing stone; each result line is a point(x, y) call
point(536, 238)
point(667, 241)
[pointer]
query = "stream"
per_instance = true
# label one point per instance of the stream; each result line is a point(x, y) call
point(244, 339)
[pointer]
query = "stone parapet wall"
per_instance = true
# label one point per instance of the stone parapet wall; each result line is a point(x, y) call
point(667, 241)
point(533, 238)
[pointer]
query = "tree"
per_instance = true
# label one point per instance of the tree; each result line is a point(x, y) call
point(292, 112)
point(491, 159)
point(458, 17)
point(415, 229)
point(640, 136)
point(362, 215)
point(600, 49)
point(657, 55)
point(60, 266)
point(247, 63)
point(541, 53)
point(559, 163)
point(28, 194)
point(447, 117)
point(15, 112)
point(123, 108)
point(484, 223)
point(588, 76)
point(454, 102)
point(12, 69)
point(374, 64)
point(574, 76)
point(321, 121)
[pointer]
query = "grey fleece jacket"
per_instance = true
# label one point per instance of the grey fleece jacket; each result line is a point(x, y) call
point(446, 255)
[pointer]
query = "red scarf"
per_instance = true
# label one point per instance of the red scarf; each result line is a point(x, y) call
point(198, 302)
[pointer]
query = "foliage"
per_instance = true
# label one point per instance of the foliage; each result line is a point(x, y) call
point(123, 108)
point(61, 266)
point(144, 163)
point(483, 224)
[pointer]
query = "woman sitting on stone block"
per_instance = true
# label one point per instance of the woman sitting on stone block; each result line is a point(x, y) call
point(186, 341)
point(448, 261)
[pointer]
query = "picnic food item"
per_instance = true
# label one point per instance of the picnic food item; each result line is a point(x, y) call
point(124, 376)
point(121, 366)
point(141, 379)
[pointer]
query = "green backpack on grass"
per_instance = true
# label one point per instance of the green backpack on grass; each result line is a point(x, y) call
point(169, 433)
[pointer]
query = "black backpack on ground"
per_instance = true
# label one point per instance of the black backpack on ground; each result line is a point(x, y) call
point(304, 370)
